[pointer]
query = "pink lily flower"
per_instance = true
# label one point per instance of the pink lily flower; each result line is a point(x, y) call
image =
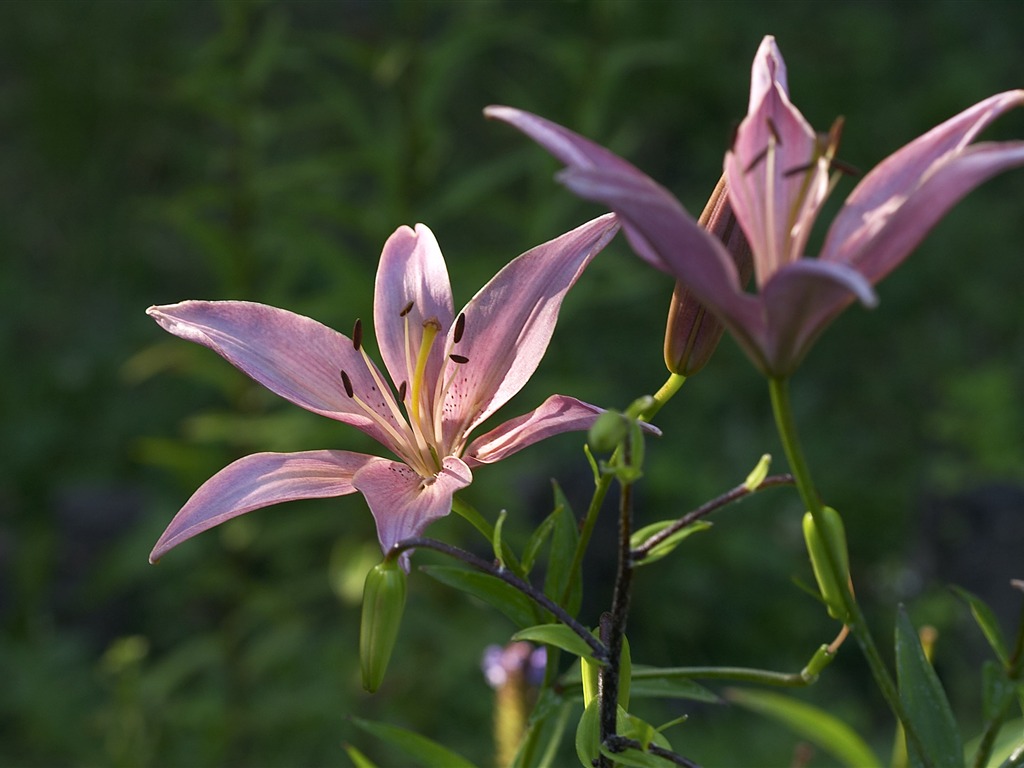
point(778, 174)
point(448, 373)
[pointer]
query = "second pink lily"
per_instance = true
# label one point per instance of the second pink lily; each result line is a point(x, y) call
point(778, 174)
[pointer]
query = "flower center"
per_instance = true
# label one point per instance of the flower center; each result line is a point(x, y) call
point(801, 188)
point(417, 436)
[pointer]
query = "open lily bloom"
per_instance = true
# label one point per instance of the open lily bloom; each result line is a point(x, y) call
point(448, 373)
point(778, 176)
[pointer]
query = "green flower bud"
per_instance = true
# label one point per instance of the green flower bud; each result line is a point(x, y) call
point(830, 537)
point(692, 333)
point(607, 431)
point(383, 603)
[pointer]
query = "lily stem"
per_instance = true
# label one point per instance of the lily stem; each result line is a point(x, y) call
point(613, 623)
point(660, 398)
point(779, 390)
point(600, 652)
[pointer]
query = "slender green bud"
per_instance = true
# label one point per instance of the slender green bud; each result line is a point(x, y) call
point(692, 333)
point(758, 473)
point(830, 537)
point(383, 603)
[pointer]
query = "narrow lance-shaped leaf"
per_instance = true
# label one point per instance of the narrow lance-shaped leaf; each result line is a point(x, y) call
point(820, 727)
point(986, 621)
point(924, 701)
point(424, 751)
point(522, 611)
point(564, 540)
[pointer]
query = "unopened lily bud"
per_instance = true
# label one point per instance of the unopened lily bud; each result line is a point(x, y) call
point(693, 333)
point(383, 603)
point(830, 537)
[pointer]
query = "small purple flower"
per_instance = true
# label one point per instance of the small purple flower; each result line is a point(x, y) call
point(520, 661)
point(778, 174)
point(448, 373)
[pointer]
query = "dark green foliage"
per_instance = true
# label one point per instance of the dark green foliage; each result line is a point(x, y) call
point(158, 151)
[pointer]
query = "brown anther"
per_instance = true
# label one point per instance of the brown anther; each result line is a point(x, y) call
point(357, 335)
point(774, 131)
point(756, 161)
point(401, 390)
point(460, 327)
point(347, 383)
point(849, 170)
point(836, 132)
point(406, 309)
point(799, 169)
point(460, 359)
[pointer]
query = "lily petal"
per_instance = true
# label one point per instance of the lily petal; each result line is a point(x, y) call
point(579, 152)
point(555, 415)
point(774, 205)
point(257, 481)
point(291, 355)
point(899, 202)
point(697, 259)
point(800, 301)
point(402, 502)
point(411, 269)
point(510, 321)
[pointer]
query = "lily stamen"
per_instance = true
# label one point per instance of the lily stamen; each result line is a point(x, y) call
point(431, 328)
point(376, 417)
point(357, 335)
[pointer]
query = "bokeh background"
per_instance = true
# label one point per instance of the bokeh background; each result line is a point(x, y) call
point(156, 151)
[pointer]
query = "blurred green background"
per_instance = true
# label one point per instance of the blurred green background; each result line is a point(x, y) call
point(158, 151)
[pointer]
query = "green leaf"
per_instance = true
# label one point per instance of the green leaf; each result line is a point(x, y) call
point(557, 635)
point(541, 534)
point(424, 751)
point(646, 684)
point(544, 731)
point(588, 735)
point(997, 689)
point(358, 758)
point(564, 539)
point(510, 601)
point(632, 727)
point(669, 544)
point(1006, 743)
point(986, 621)
point(827, 731)
point(924, 701)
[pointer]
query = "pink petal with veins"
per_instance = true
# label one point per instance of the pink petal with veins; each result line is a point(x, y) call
point(257, 481)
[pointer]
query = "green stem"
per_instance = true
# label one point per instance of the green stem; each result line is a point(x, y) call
point(661, 397)
point(738, 674)
point(779, 389)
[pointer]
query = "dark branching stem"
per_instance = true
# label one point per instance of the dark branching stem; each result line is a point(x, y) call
point(613, 624)
point(706, 509)
point(619, 743)
point(601, 651)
